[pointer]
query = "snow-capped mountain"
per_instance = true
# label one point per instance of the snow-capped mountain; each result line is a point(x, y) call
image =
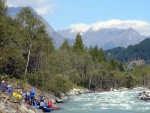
point(106, 38)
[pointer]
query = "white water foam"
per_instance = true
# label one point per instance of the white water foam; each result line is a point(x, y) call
point(107, 102)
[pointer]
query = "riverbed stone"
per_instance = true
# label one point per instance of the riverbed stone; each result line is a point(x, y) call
point(145, 95)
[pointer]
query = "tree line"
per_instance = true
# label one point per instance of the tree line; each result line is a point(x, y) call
point(27, 53)
point(139, 51)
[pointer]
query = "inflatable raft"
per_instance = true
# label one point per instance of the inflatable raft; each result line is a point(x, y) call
point(36, 106)
point(46, 108)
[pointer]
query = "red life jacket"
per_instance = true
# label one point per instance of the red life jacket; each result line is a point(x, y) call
point(49, 104)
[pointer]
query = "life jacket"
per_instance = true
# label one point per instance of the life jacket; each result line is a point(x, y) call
point(9, 90)
point(4, 87)
point(28, 95)
point(42, 99)
point(49, 104)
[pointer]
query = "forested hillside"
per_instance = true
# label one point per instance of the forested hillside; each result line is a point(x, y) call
point(139, 51)
point(27, 53)
point(57, 39)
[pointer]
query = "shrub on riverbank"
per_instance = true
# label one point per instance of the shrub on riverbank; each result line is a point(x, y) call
point(58, 84)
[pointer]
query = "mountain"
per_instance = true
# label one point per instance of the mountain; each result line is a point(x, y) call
point(57, 39)
point(106, 38)
point(14, 11)
point(138, 52)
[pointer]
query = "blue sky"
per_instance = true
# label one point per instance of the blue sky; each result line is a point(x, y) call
point(69, 12)
point(84, 14)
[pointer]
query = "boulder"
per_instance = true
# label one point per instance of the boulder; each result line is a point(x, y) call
point(145, 95)
point(2, 107)
point(61, 97)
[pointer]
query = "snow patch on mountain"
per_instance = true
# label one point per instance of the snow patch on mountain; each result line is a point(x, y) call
point(142, 27)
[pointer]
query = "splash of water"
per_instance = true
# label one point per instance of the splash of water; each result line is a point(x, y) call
point(106, 102)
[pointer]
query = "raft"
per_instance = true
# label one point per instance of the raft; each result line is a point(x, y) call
point(46, 108)
point(36, 106)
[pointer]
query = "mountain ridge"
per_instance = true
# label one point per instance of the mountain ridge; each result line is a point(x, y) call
point(57, 39)
point(106, 38)
point(139, 51)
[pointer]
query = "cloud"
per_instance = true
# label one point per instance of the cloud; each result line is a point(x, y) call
point(142, 27)
point(43, 7)
point(79, 27)
point(47, 10)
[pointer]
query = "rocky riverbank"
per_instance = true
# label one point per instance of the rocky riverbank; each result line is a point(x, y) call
point(77, 91)
point(9, 106)
point(14, 106)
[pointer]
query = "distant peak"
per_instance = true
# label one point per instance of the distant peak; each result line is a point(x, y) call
point(130, 28)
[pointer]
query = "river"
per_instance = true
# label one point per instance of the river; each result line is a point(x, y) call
point(105, 102)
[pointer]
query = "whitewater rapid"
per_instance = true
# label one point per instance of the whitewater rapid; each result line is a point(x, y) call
point(106, 102)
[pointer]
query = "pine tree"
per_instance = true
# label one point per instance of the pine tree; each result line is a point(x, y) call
point(65, 46)
point(78, 45)
point(114, 64)
point(95, 54)
point(121, 67)
point(101, 56)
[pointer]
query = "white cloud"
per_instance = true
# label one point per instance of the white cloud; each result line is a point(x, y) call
point(43, 7)
point(47, 10)
point(142, 27)
point(79, 27)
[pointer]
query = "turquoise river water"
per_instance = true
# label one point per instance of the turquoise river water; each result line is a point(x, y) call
point(105, 102)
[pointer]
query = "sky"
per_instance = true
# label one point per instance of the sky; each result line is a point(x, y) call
point(81, 15)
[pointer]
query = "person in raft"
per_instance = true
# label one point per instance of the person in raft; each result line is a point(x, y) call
point(37, 101)
point(28, 97)
point(42, 100)
point(32, 95)
point(50, 105)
